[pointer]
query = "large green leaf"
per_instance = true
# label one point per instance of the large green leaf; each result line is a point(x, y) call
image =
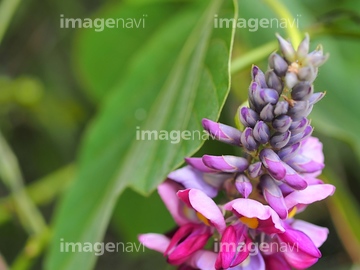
point(101, 58)
point(178, 77)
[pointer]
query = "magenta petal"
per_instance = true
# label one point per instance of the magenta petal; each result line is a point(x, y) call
point(227, 164)
point(154, 241)
point(198, 164)
point(231, 251)
point(192, 178)
point(273, 163)
point(316, 233)
point(293, 179)
point(187, 239)
point(276, 262)
point(167, 191)
point(201, 203)
point(309, 195)
point(227, 249)
point(301, 252)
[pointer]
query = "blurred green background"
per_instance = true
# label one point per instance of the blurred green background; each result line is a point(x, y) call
point(70, 100)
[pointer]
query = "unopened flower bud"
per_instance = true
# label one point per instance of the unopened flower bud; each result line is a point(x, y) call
point(302, 91)
point(282, 123)
point(279, 140)
point(267, 113)
point(274, 82)
point(278, 64)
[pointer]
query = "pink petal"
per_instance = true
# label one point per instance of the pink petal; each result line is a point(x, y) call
point(190, 177)
point(309, 195)
point(154, 241)
point(198, 164)
point(167, 191)
point(316, 233)
point(301, 252)
point(203, 204)
point(269, 220)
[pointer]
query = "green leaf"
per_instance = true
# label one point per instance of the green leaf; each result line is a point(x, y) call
point(178, 77)
point(113, 48)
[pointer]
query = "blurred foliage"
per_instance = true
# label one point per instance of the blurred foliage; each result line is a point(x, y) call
point(75, 96)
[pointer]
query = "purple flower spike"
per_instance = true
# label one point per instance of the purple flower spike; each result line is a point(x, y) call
point(273, 163)
point(221, 132)
point(267, 113)
point(274, 82)
point(279, 140)
point(248, 141)
point(258, 76)
point(278, 64)
point(261, 132)
point(243, 185)
point(281, 107)
point(227, 164)
point(273, 195)
point(255, 170)
point(302, 91)
point(248, 117)
point(287, 49)
point(282, 123)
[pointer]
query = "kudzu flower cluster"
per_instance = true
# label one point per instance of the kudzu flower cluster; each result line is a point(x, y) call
point(238, 212)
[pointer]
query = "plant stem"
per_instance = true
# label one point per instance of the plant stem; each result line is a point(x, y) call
point(33, 248)
point(7, 10)
point(283, 13)
point(29, 215)
point(41, 192)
